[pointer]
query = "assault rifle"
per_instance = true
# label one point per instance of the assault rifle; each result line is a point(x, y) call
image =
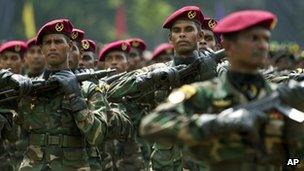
point(46, 85)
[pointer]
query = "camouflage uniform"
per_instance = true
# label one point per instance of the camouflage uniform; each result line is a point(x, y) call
point(174, 122)
point(129, 153)
point(8, 137)
point(119, 125)
point(58, 134)
point(11, 148)
point(121, 128)
point(163, 157)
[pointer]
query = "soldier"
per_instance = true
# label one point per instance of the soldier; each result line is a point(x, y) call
point(58, 135)
point(211, 40)
point(34, 59)
point(88, 56)
point(10, 157)
point(11, 55)
point(135, 57)
point(114, 55)
point(162, 53)
point(118, 124)
point(244, 139)
point(185, 33)
point(282, 65)
point(77, 36)
point(283, 60)
point(126, 155)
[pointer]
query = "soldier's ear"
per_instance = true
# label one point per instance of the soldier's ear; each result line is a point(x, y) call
point(200, 35)
point(170, 38)
point(70, 44)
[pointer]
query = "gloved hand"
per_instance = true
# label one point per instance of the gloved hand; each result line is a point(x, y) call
point(163, 77)
point(297, 77)
point(68, 82)
point(71, 88)
point(25, 84)
point(292, 94)
point(241, 121)
point(7, 78)
point(207, 66)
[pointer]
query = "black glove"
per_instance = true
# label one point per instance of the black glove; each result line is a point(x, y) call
point(241, 121)
point(71, 88)
point(292, 94)
point(25, 84)
point(207, 66)
point(161, 78)
point(68, 82)
point(297, 77)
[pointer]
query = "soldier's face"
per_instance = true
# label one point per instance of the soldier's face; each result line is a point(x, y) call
point(34, 59)
point(185, 36)
point(208, 41)
point(134, 58)
point(55, 48)
point(11, 60)
point(87, 60)
point(74, 56)
point(116, 60)
point(250, 49)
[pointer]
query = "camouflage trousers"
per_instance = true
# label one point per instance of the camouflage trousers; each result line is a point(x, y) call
point(55, 158)
point(6, 163)
point(166, 158)
point(129, 156)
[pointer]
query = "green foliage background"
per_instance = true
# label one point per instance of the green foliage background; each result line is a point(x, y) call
point(144, 17)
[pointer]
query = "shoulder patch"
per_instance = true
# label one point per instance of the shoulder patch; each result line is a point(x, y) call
point(183, 93)
point(299, 70)
point(222, 103)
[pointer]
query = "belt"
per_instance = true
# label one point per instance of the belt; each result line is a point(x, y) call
point(56, 140)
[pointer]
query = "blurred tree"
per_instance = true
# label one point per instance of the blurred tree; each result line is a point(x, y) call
point(144, 18)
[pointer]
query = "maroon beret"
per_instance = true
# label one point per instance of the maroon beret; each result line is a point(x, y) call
point(77, 35)
point(137, 43)
point(164, 47)
point(117, 45)
point(31, 42)
point(209, 24)
point(242, 20)
point(188, 12)
point(59, 26)
point(14, 46)
point(88, 45)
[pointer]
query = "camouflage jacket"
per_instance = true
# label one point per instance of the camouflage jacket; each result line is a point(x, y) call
point(57, 132)
point(128, 87)
point(177, 121)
